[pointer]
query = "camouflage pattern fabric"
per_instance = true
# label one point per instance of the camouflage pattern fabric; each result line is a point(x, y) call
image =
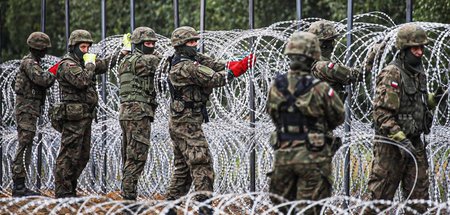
point(79, 97)
point(336, 74)
point(80, 36)
point(400, 104)
point(194, 80)
point(30, 87)
point(300, 181)
point(39, 40)
point(386, 177)
point(137, 108)
point(143, 34)
point(409, 35)
point(192, 160)
point(300, 173)
point(135, 145)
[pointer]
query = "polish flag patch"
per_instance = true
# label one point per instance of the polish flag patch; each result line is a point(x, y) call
point(330, 65)
point(331, 92)
point(394, 84)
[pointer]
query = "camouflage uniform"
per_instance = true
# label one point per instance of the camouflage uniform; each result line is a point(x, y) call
point(335, 74)
point(401, 107)
point(31, 85)
point(137, 108)
point(192, 80)
point(79, 99)
point(303, 110)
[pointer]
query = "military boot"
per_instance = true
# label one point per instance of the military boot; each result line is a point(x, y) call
point(19, 189)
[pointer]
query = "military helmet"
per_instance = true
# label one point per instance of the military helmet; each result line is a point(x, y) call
point(324, 30)
point(303, 43)
point(182, 35)
point(80, 36)
point(143, 34)
point(410, 35)
point(39, 40)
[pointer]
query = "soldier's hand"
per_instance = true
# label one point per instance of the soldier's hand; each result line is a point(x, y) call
point(356, 74)
point(89, 58)
point(126, 42)
point(237, 68)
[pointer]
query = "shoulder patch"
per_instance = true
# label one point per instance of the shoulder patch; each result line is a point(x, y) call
point(205, 70)
point(394, 84)
point(330, 92)
point(330, 65)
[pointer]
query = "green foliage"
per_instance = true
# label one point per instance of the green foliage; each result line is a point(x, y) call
point(19, 18)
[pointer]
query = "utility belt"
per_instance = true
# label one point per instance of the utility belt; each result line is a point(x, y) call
point(314, 142)
point(179, 106)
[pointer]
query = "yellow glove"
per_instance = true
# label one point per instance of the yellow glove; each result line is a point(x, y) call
point(399, 136)
point(89, 58)
point(126, 42)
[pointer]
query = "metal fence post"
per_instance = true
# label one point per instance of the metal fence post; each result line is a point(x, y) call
point(251, 9)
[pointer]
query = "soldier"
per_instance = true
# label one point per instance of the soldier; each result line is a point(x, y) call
point(401, 114)
point(79, 97)
point(137, 106)
point(192, 78)
point(336, 74)
point(303, 110)
point(31, 85)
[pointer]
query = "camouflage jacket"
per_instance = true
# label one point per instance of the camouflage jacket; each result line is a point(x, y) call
point(318, 104)
point(77, 83)
point(31, 84)
point(335, 74)
point(400, 102)
point(137, 92)
point(193, 82)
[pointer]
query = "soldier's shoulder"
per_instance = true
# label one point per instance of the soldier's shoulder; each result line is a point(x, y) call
point(390, 70)
point(150, 58)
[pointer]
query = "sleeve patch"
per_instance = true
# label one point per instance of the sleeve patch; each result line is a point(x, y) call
point(394, 84)
point(330, 65)
point(331, 92)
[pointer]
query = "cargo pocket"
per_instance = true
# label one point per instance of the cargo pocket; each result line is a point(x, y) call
point(74, 111)
point(138, 149)
point(198, 155)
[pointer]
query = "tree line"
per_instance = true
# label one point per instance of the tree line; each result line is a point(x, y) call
point(19, 18)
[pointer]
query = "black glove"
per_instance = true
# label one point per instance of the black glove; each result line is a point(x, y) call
point(407, 144)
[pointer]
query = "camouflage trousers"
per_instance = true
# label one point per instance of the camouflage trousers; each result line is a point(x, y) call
point(73, 156)
point(192, 160)
point(26, 130)
point(301, 182)
point(135, 144)
point(389, 168)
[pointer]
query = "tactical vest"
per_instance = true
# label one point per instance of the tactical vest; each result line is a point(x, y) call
point(72, 94)
point(193, 97)
point(27, 88)
point(292, 124)
point(135, 88)
point(413, 102)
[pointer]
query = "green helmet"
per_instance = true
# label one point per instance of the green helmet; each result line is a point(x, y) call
point(410, 35)
point(182, 35)
point(39, 40)
point(324, 30)
point(80, 36)
point(303, 43)
point(143, 34)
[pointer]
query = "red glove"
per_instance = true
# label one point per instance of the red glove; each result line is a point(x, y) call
point(240, 67)
point(54, 68)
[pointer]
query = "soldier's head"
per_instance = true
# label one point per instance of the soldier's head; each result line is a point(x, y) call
point(144, 39)
point(38, 43)
point(184, 40)
point(411, 40)
point(79, 42)
point(326, 33)
point(302, 49)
